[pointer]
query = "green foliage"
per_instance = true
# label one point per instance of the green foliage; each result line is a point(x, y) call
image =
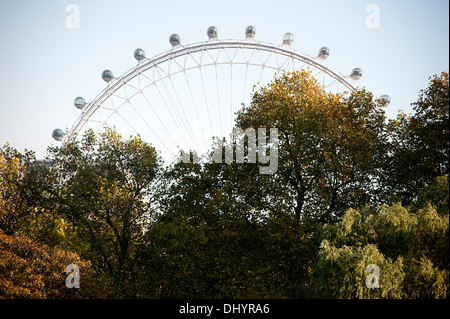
point(50, 229)
point(411, 249)
point(330, 146)
point(437, 194)
point(340, 272)
point(212, 241)
point(24, 185)
point(231, 258)
point(105, 194)
point(420, 142)
point(350, 191)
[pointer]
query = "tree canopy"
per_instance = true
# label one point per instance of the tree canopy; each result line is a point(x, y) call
point(356, 199)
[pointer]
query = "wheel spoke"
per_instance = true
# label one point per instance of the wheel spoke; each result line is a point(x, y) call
point(159, 78)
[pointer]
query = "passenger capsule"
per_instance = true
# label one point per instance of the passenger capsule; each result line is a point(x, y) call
point(79, 102)
point(250, 31)
point(58, 134)
point(107, 76)
point(175, 40)
point(384, 100)
point(139, 54)
point(212, 32)
point(356, 74)
point(324, 53)
point(288, 38)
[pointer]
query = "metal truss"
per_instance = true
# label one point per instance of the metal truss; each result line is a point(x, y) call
point(181, 59)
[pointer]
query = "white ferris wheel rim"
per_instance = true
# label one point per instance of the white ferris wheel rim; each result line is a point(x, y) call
point(178, 51)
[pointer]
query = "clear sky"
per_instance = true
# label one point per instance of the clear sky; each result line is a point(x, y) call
point(44, 64)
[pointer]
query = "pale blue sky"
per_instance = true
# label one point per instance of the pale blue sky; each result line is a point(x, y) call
point(44, 65)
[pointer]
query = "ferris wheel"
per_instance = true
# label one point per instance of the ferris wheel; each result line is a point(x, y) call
point(182, 98)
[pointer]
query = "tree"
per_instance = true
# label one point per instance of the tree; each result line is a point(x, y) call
point(419, 143)
point(28, 270)
point(35, 243)
point(213, 241)
point(340, 273)
point(224, 230)
point(330, 146)
point(24, 187)
point(105, 193)
point(410, 249)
